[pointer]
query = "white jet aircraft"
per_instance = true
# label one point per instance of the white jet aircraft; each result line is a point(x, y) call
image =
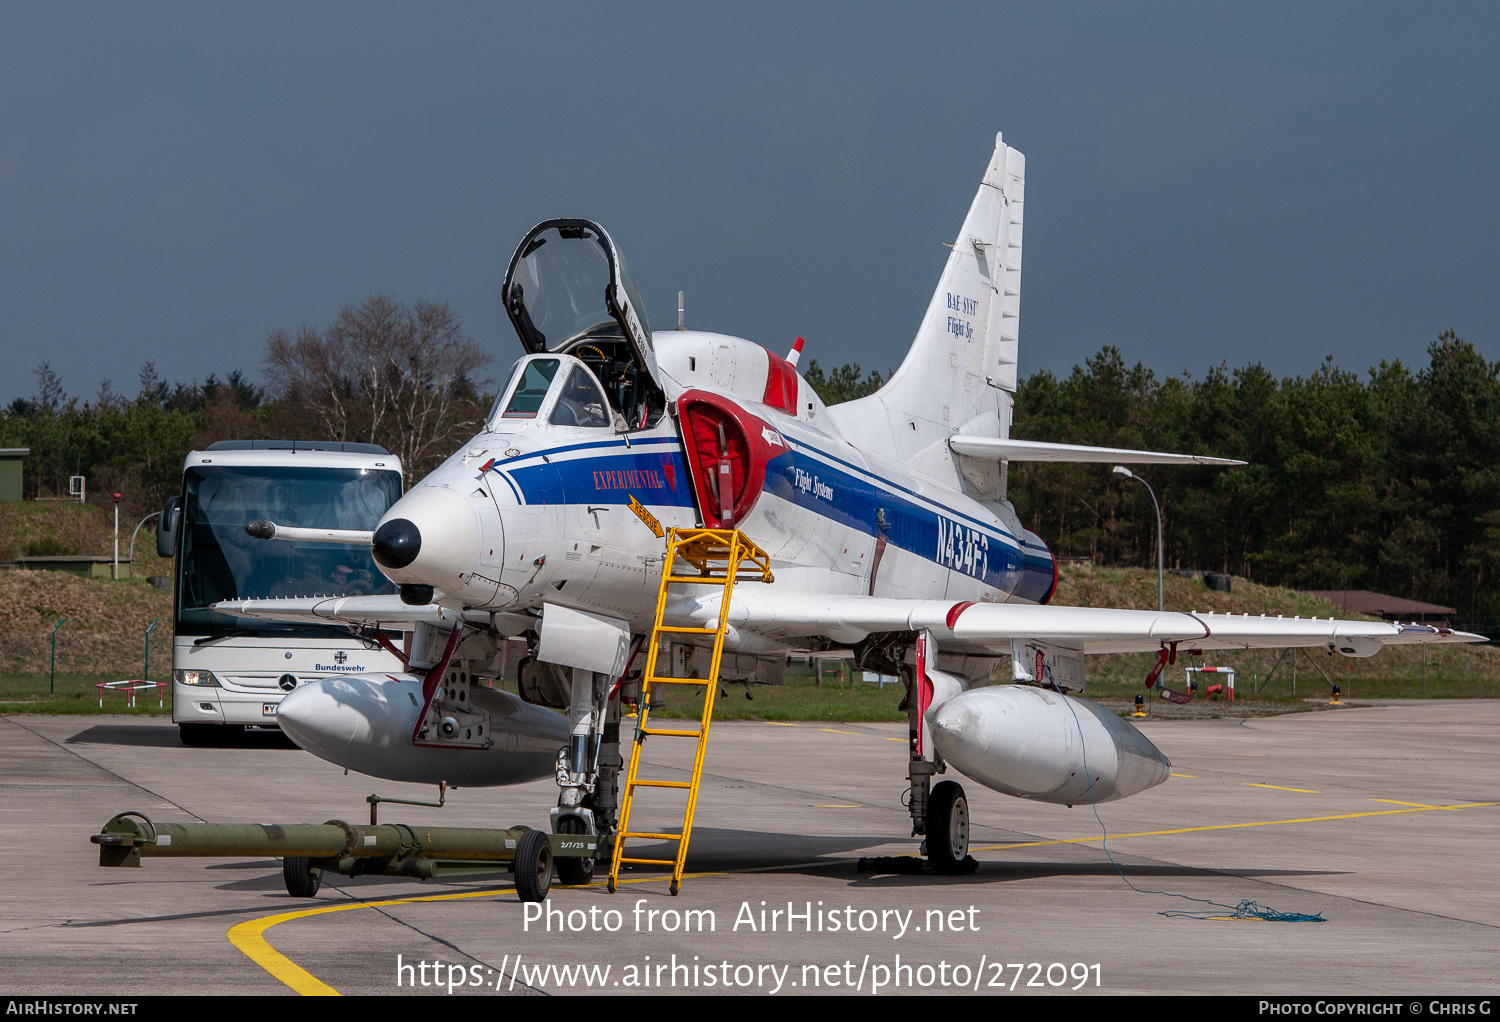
point(886, 520)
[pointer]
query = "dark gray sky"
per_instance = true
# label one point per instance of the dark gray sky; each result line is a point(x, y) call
point(1205, 182)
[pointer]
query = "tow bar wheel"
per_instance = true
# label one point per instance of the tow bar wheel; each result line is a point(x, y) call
point(302, 878)
point(533, 866)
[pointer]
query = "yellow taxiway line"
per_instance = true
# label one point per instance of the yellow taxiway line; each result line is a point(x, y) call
point(249, 937)
point(1227, 826)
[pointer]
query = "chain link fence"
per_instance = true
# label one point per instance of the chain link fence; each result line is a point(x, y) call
point(1450, 670)
point(102, 655)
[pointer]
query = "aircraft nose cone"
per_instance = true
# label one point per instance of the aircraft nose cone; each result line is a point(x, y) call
point(396, 543)
point(429, 537)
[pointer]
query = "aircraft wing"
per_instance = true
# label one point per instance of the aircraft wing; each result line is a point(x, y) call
point(990, 627)
point(367, 611)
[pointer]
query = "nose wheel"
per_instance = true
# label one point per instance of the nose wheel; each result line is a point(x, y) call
point(572, 872)
point(947, 826)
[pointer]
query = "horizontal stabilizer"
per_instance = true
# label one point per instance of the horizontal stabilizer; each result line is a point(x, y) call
point(995, 449)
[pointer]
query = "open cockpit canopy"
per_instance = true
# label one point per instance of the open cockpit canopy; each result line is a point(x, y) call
point(567, 291)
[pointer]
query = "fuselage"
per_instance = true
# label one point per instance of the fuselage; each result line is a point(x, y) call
point(531, 511)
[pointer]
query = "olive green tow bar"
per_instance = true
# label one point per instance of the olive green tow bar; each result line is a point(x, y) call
point(390, 849)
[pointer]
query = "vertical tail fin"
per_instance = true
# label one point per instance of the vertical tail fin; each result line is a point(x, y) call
point(961, 369)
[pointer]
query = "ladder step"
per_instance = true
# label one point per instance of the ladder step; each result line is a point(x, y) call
point(723, 557)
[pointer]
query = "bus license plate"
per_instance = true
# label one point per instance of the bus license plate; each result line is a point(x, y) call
point(268, 709)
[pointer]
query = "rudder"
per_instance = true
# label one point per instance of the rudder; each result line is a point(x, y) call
point(960, 372)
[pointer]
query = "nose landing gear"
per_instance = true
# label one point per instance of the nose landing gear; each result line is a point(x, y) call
point(574, 872)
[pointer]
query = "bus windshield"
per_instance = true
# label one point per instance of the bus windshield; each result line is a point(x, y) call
point(218, 561)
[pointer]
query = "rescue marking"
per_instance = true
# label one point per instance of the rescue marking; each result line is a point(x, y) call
point(646, 516)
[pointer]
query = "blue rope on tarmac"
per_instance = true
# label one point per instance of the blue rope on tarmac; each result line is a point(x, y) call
point(1244, 910)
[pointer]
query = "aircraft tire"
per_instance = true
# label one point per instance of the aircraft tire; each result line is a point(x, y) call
point(574, 872)
point(533, 866)
point(571, 871)
point(302, 878)
point(947, 825)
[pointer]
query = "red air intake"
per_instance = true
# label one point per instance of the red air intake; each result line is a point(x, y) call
point(728, 455)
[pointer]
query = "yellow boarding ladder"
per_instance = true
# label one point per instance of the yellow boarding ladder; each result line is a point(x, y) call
point(722, 557)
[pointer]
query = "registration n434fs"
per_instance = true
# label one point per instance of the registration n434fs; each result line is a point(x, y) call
point(885, 520)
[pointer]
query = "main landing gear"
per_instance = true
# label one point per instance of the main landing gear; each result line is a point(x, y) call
point(947, 827)
point(939, 812)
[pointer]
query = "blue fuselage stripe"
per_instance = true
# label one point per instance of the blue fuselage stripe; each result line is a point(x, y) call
point(655, 472)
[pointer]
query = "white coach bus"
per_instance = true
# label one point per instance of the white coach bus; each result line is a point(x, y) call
point(229, 673)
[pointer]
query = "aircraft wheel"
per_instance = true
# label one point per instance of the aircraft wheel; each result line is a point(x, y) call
point(571, 871)
point(533, 866)
point(302, 878)
point(947, 825)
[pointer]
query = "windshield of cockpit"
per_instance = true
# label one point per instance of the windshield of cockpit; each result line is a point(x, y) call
point(579, 401)
point(218, 561)
point(563, 277)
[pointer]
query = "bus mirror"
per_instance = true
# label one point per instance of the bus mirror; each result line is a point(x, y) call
point(166, 528)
